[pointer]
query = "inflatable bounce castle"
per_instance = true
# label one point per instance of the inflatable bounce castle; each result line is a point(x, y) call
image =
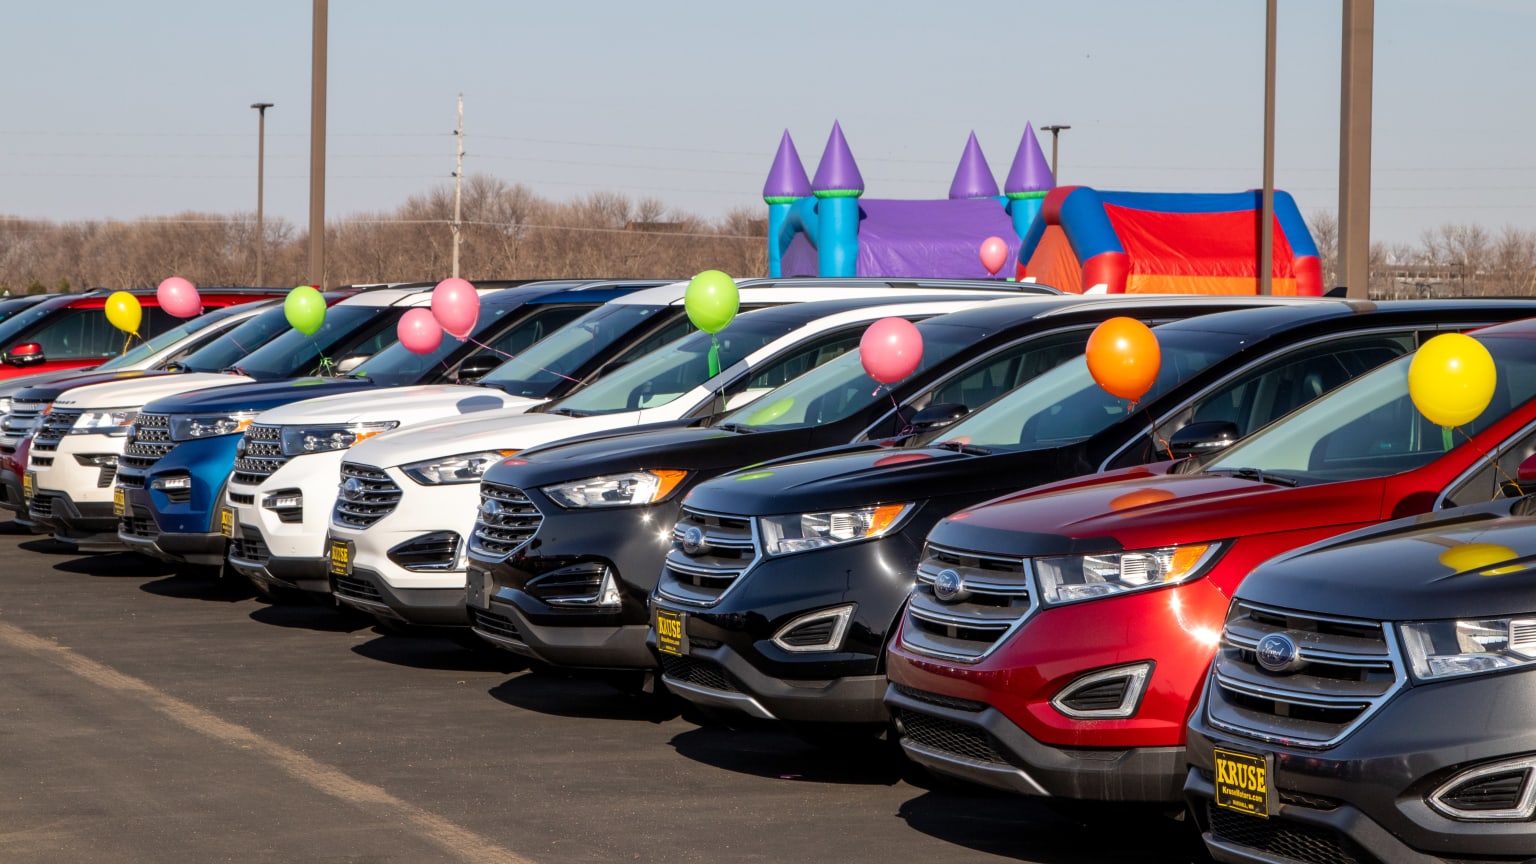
point(1074, 238)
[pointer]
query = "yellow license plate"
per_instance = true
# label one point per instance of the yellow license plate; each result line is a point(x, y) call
point(341, 558)
point(1243, 782)
point(227, 522)
point(28, 483)
point(119, 502)
point(671, 635)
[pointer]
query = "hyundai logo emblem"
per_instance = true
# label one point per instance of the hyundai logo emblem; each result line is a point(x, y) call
point(352, 489)
point(490, 509)
point(693, 540)
point(1276, 652)
point(947, 585)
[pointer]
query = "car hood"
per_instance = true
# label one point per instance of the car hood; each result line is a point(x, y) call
point(1464, 563)
point(705, 449)
point(404, 404)
point(1144, 511)
point(48, 385)
point(252, 396)
point(502, 429)
point(142, 390)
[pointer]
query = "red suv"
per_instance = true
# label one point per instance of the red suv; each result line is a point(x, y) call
point(1056, 640)
point(71, 331)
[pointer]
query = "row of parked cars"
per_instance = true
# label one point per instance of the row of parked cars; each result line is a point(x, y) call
point(1269, 589)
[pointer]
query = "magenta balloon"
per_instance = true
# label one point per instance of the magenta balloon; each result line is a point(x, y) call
point(891, 349)
point(994, 254)
point(419, 331)
point(456, 306)
point(178, 297)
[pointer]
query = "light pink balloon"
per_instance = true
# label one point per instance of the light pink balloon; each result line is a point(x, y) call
point(891, 349)
point(419, 331)
point(456, 306)
point(179, 297)
point(994, 254)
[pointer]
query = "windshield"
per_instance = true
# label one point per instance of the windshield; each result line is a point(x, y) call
point(1370, 428)
point(145, 350)
point(11, 327)
point(397, 364)
point(12, 305)
point(347, 330)
point(231, 347)
point(1066, 405)
point(672, 370)
point(840, 388)
point(542, 368)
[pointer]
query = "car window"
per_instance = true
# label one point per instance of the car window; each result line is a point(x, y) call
point(788, 366)
point(1494, 477)
point(86, 334)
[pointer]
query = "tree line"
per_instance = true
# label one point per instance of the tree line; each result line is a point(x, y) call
point(508, 232)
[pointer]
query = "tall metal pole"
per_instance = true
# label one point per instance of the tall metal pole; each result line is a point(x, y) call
point(1354, 264)
point(1267, 208)
point(1055, 131)
point(261, 162)
point(458, 182)
point(317, 150)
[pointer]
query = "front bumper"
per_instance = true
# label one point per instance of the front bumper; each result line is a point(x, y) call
point(139, 529)
point(250, 556)
point(1368, 796)
point(182, 525)
point(366, 591)
point(290, 532)
point(72, 499)
point(732, 659)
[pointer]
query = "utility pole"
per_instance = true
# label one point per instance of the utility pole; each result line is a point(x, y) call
point(261, 161)
point(317, 149)
point(1354, 261)
point(1055, 131)
point(1267, 206)
point(458, 183)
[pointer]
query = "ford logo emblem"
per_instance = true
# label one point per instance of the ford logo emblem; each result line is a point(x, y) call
point(947, 585)
point(1276, 652)
point(490, 509)
point(693, 540)
point(352, 489)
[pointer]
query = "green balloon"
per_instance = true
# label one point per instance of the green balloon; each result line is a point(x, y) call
point(711, 300)
point(305, 309)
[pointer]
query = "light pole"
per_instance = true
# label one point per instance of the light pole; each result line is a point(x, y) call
point(261, 160)
point(1055, 131)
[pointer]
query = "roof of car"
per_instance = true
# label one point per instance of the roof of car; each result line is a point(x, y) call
point(1269, 321)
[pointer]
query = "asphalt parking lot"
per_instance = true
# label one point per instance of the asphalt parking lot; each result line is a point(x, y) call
point(152, 717)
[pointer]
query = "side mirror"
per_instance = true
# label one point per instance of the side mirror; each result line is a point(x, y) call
point(1197, 439)
point(25, 354)
point(350, 362)
point(938, 416)
point(475, 368)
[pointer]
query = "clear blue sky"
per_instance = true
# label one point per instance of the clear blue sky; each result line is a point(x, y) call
point(116, 110)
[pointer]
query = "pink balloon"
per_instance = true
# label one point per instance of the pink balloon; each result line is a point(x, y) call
point(456, 306)
point(994, 254)
point(419, 331)
point(891, 349)
point(178, 297)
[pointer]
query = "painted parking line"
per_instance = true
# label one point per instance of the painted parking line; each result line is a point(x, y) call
point(460, 843)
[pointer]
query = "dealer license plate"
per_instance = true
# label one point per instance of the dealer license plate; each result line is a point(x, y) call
point(227, 522)
point(119, 502)
point(671, 632)
point(341, 558)
point(1243, 782)
point(28, 483)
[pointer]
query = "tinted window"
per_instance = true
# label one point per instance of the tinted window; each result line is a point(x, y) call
point(398, 364)
point(548, 364)
point(231, 347)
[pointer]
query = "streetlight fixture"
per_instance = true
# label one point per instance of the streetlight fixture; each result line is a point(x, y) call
point(261, 159)
point(1055, 131)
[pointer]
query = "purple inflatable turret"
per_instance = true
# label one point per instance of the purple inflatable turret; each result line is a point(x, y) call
point(1028, 181)
point(837, 188)
point(786, 185)
point(973, 177)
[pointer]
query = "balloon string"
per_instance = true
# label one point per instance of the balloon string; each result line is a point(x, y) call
point(1152, 429)
point(474, 341)
point(326, 368)
point(714, 356)
point(1448, 431)
point(906, 426)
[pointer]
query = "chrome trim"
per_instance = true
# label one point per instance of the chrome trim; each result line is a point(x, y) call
point(1522, 811)
point(719, 698)
point(1138, 673)
point(841, 616)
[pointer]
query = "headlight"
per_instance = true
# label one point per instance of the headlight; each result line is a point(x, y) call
point(1073, 578)
point(109, 420)
point(805, 531)
point(1446, 649)
point(616, 490)
point(464, 468)
point(298, 440)
point(185, 427)
point(5, 404)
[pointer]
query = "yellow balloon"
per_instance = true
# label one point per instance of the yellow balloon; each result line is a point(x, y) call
point(124, 312)
point(1451, 379)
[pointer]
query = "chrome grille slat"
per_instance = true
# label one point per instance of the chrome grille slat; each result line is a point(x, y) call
point(149, 439)
point(23, 415)
point(506, 520)
point(1345, 669)
point(261, 448)
point(376, 496)
point(994, 598)
point(52, 429)
point(728, 548)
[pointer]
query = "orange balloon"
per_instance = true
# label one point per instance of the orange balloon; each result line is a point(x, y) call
point(1123, 357)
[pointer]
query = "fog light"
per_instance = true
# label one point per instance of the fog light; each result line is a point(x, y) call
point(171, 483)
point(1105, 695)
point(822, 630)
point(1500, 792)
point(285, 500)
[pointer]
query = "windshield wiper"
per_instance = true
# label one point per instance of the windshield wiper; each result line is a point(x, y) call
point(966, 449)
point(568, 412)
point(1260, 476)
point(735, 427)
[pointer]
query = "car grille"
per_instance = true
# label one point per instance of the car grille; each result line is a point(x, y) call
point(1344, 670)
point(142, 527)
point(699, 673)
point(40, 506)
point(356, 589)
point(106, 475)
point(494, 625)
point(507, 520)
point(724, 549)
point(985, 598)
point(41, 461)
point(149, 439)
point(365, 496)
point(249, 547)
point(22, 417)
point(54, 426)
point(437, 551)
point(261, 454)
point(1293, 841)
point(944, 735)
